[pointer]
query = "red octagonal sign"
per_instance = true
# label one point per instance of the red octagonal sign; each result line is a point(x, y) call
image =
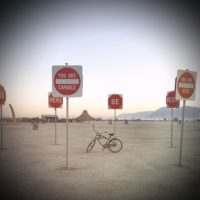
point(115, 101)
point(2, 95)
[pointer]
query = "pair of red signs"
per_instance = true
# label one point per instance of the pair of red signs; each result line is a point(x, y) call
point(115, 101)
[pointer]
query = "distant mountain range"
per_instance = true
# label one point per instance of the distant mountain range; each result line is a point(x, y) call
point(191, 113)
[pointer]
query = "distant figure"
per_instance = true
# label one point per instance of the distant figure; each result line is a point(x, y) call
point(110, 121)
point(35, 125)
point(126, 122)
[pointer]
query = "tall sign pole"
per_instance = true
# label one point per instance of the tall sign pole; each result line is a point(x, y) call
point(115, 101)
point(181, 139)
point(67, 131)
point(1, 129)
point(2, 101)
point(115, 120)
point(171, 128)
point(172, 103)
point(55, 125)
point(55, 102)
point(67, 81)
point(185, 90)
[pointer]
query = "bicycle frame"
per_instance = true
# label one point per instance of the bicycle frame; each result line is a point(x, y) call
point(99, 137)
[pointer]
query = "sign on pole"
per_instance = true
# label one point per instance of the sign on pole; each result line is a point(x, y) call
point(55, 102)
point(2, 101)
point(171, 100)
point(2, 95)
point(185, 90)
point(172, 103)
point(67, 81)
point(115, 101)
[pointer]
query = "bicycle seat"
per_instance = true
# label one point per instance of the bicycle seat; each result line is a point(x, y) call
point(111, 134)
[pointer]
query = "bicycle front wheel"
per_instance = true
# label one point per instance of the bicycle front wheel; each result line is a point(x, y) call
point(91, 145)
point(115, 145)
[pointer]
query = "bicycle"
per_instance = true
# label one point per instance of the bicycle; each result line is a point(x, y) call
point(112, 143)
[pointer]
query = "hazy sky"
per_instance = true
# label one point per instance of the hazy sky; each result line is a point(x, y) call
point(132, 48)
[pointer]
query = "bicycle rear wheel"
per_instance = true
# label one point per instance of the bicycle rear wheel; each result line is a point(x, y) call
point(91, 145)
point(115, 145)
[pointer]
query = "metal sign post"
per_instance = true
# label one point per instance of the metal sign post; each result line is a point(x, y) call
point(115, 120)
point(115, 101)
point(67, 81)
point(55, 102)
point(172, 129)
point(67, 131)
point(185, 90)
point(1, 130)
point(172, 103)
point(181, 139)
point(2, 101)
point(55, 125)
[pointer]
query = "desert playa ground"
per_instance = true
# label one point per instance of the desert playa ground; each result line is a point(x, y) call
point(33, 167)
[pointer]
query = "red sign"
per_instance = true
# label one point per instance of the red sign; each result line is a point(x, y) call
point(115, 101)
point(55, 102)
point(171, 100)
point(2, 95)
point(67, 81)
point(186, 83)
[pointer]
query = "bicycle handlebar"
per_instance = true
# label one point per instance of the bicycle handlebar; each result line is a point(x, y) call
point(97, 131)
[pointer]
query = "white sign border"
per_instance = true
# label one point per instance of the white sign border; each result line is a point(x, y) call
point(77, 68)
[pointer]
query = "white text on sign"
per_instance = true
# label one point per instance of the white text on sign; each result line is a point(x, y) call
point(55, 100)
point(171, 99)
point(67, 76)
point(115, 101)
point(67, 87)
